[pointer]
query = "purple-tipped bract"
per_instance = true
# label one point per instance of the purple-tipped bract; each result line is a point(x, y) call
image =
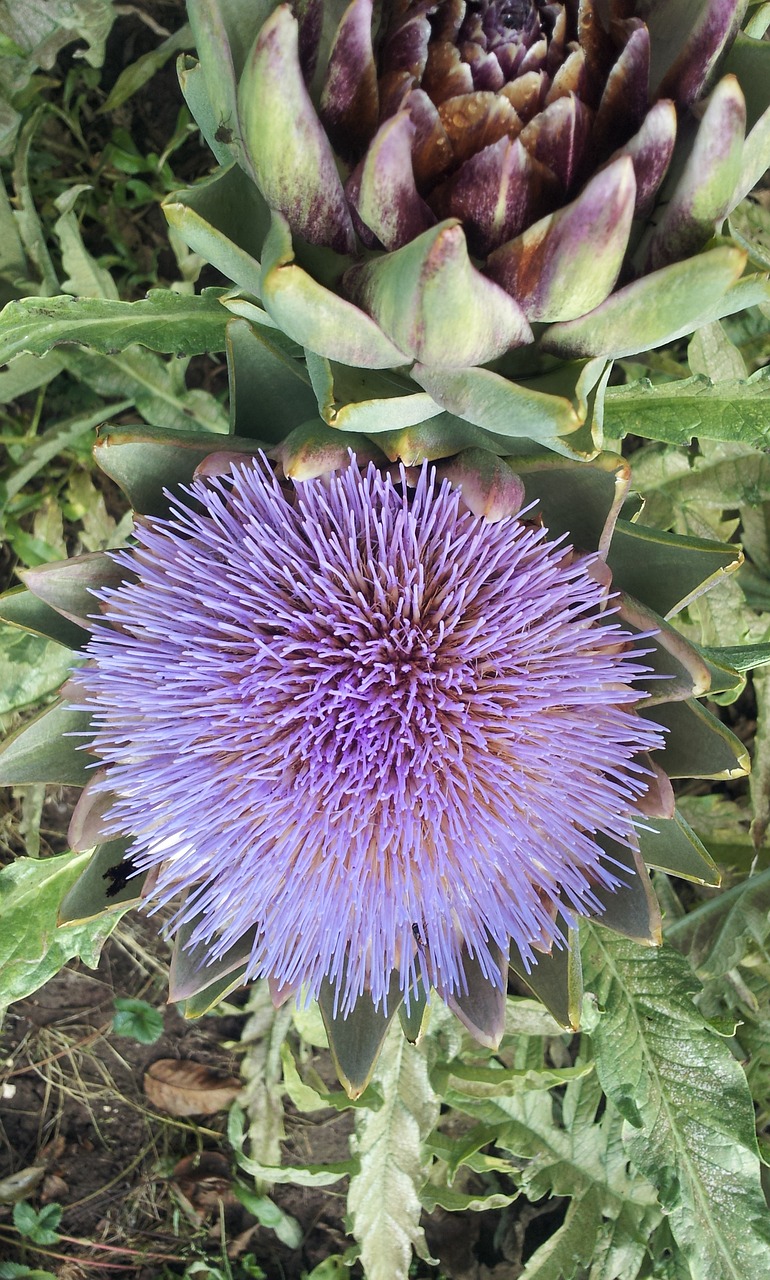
point(365, 721)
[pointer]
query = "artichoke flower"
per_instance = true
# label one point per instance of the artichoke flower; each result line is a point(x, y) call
point(374, 729)
point(488, 199)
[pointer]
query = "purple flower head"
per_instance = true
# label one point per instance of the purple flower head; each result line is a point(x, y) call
point(366, 724)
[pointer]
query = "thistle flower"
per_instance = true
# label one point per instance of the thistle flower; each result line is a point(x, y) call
point(417, 185)
point(372, 727)
point(365, 724)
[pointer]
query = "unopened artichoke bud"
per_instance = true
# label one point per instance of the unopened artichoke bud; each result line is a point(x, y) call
point(453, 189)
point(378, 733)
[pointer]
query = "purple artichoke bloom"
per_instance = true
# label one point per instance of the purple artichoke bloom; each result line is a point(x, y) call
point(363, 726)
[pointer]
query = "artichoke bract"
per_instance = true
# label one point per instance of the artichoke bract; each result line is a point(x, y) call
point(492, 198)
point(375, 730)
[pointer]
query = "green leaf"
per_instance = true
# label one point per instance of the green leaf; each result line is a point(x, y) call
point(716, 935)
point(657, 308)
point(23, 609)
point(56, 440)
point(269, 1214)
point(456, 1077)
point(383, 1199)
point(675, 412)
point(577, 1151)
point(175, 323)
point(85, 277)
point(355, 1038)
point(433, 1196)
point(156, 387)
point(573, 1244)
point(261, 1039)
point(27, 373)
point(741, 657)
point(32, 947)
point(38, 1225)
point(137, 1020)
point(698, 745)
point(666, 570)
point(108, 884)
point(144, 462)
point(695, 1138)
point(41, 751)
point(133, 77)
point(225, 220)
point(18, 1271)
point(30, 667)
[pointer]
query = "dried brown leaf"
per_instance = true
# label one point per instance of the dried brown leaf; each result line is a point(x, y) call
point(185, 1088)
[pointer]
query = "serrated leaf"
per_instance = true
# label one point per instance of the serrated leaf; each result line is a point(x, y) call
point(498, 1082)
point(695, 1139)
point(156, 388)
point(32, 947)
point(174, 323)
point(433, 1197)
point(674, 412)
point(759, 783)
point(572, 1246)
point(261, 1038)
point(383, 1199)
point(300, 1175)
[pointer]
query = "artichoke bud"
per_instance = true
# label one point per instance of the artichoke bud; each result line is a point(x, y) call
point(427, 183)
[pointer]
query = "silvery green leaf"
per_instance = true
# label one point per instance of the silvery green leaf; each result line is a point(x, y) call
point(689, 1116)
point(32, 948)
point(383, 1200)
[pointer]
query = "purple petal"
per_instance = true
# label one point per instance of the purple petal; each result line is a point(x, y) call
point(685, 47)
point(624, 101)
point(446, 75)
point(383, 190)
point(703, 195)
point(567, 264)
point(431, 148)
point(349, 99)
point(559, 137)
point(292, 159)
point(651, 150)
point(495, 194)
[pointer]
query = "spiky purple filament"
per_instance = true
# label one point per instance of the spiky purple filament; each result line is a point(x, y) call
point(343, 715)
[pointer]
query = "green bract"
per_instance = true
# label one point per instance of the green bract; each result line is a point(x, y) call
point(476, 207)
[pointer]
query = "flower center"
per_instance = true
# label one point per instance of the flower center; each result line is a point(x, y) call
point(388, 705)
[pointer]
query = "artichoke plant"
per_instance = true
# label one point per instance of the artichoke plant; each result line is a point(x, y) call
point(376, 730)
point(474, 206)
